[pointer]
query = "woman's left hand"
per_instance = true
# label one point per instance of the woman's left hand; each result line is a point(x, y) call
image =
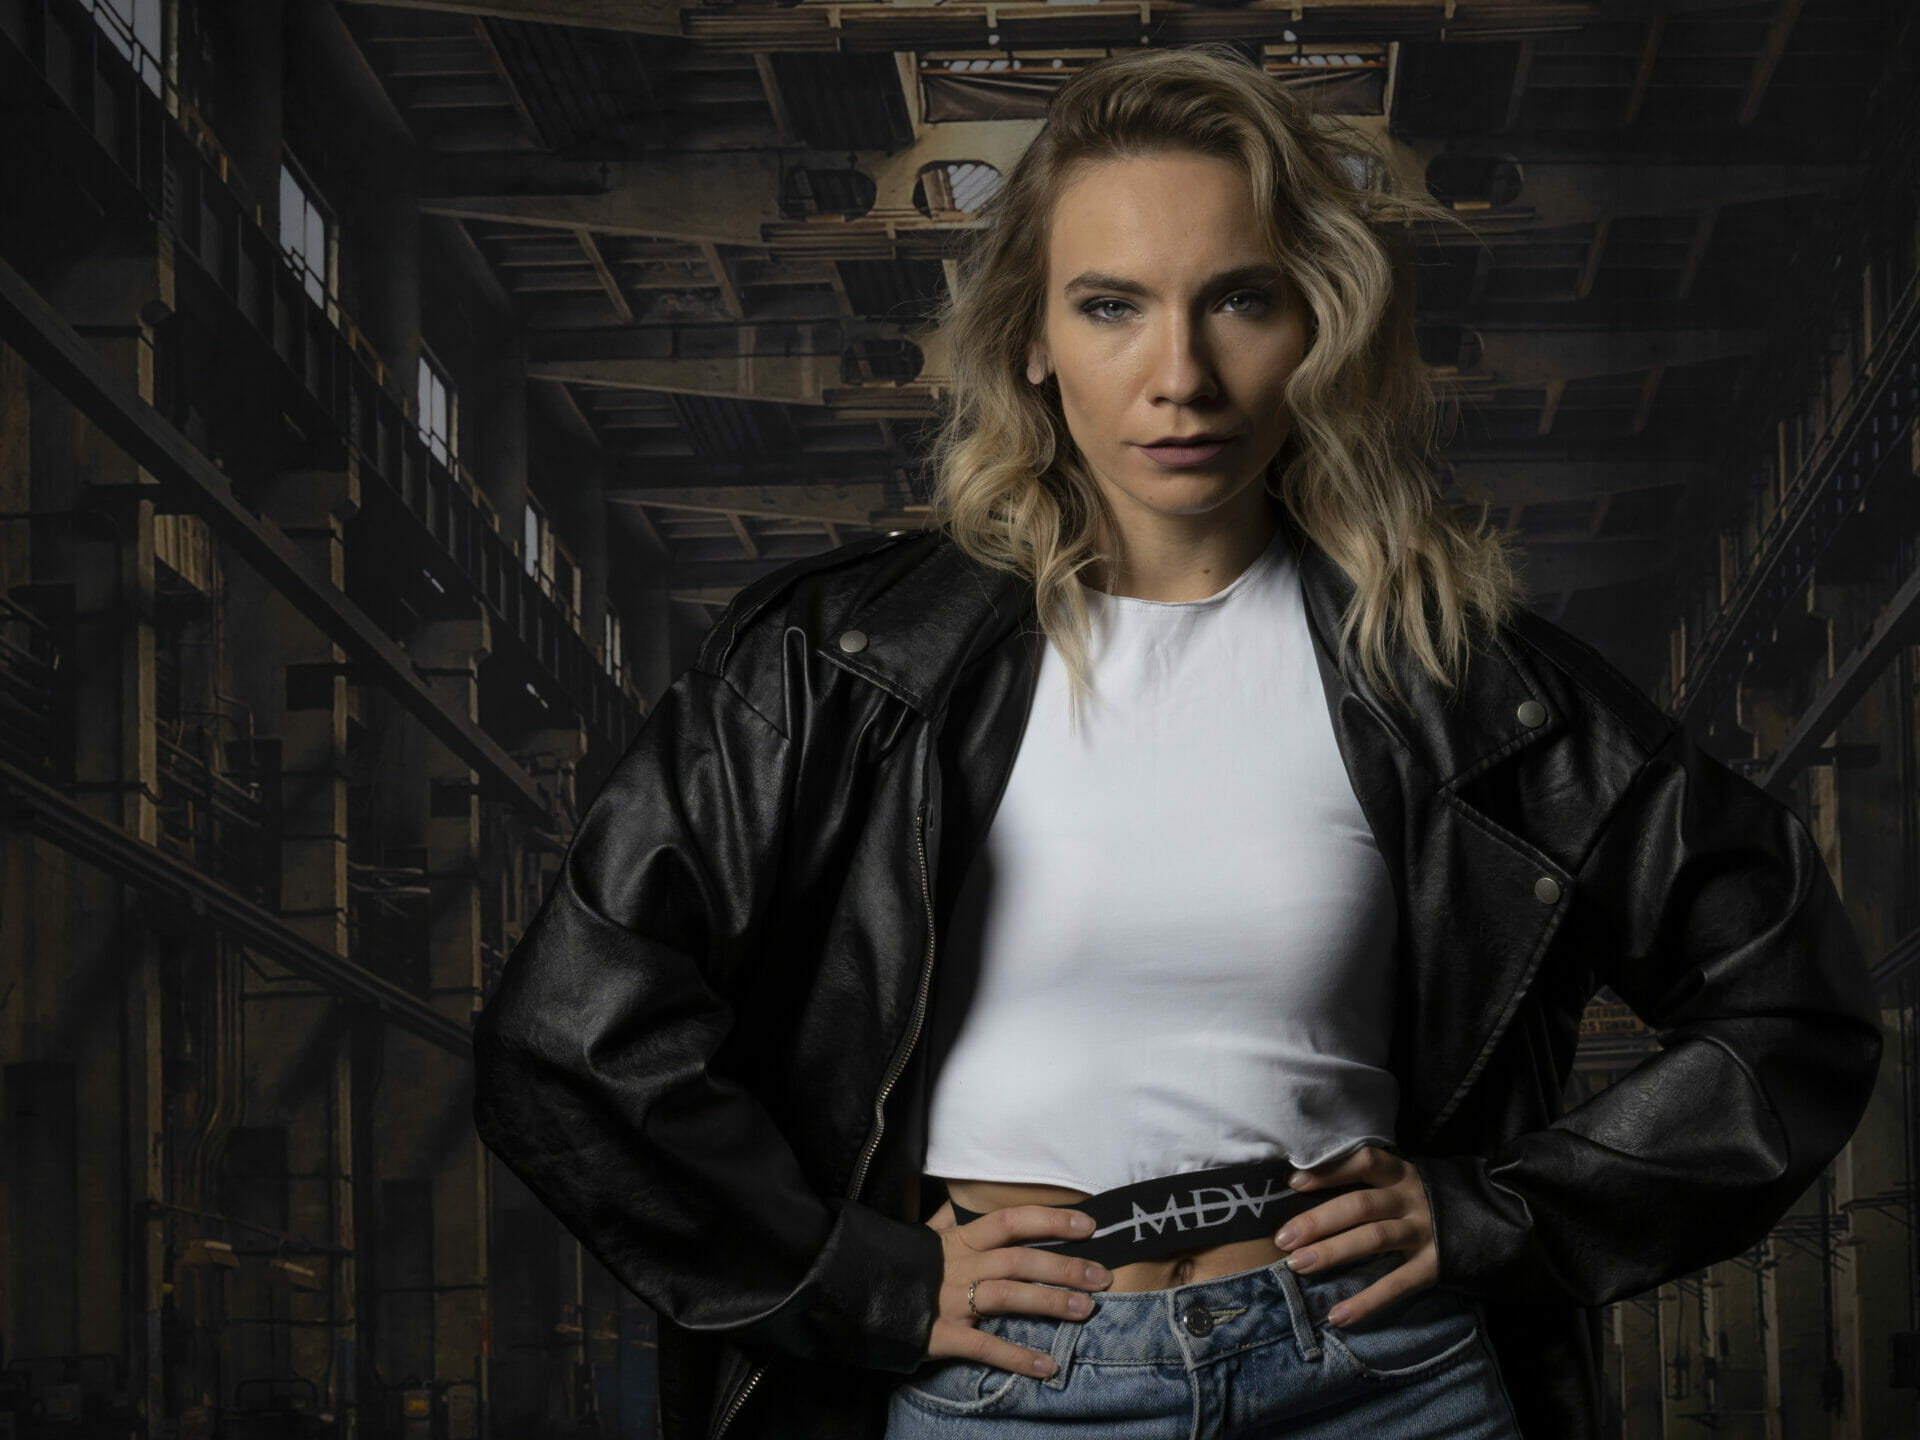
point(1391, 1215)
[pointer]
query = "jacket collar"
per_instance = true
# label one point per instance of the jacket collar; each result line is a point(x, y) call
point(946, 610)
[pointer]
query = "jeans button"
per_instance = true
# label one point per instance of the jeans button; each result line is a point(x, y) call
point(1198, 1319)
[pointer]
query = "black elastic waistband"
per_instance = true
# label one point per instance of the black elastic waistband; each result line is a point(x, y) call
point(1193, 1211)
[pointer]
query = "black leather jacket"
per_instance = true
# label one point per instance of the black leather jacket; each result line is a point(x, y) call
point(703, 1053)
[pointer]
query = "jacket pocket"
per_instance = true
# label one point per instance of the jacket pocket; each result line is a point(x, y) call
point(1418, 1336)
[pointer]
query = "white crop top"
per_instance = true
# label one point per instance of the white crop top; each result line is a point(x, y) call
point(1173, 949)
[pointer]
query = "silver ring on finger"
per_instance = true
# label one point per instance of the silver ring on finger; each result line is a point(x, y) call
point(976, 1314)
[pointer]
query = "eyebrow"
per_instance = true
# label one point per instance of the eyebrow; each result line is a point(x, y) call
point(1238, 275)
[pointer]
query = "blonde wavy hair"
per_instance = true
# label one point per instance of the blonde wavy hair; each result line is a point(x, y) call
point(1356, 474)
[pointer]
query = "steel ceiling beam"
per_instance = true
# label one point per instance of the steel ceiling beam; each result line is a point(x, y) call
point(1496, 481)
point(645, 17)
point(52, 347)
point(841, 504)
point(35, 806)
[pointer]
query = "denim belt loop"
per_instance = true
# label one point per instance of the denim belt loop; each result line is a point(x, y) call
point(1064, 1336)
point(1304, 1335)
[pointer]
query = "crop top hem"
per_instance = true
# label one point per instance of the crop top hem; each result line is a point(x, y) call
point(1337, 1152)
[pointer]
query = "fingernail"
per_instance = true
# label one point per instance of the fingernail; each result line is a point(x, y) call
point(1337, 1315)
point(1079, 1304)
point(1083, 1223)
point(1286, 1237)
point(1305, 1260)
point(1097, 1275)
point(1043, 1366)
point(1299, 1179)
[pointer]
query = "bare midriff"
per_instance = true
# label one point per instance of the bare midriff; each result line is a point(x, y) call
point(1163, 1272)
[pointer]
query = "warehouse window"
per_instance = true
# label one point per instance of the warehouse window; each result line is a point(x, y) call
point(133, 28)
point(306, 233)
point(949, 187)
point(615, 647)
point(438, 414)
point(536, 523)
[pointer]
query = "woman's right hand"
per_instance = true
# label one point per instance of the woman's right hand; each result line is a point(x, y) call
point(1008, 1277)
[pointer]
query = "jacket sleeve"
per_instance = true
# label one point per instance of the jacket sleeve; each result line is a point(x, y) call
point(1707, 908)
point(600, 1079)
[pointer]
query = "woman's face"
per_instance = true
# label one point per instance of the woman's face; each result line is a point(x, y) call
point(1164, 317)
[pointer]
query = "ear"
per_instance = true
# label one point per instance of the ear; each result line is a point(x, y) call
point(1036, 365)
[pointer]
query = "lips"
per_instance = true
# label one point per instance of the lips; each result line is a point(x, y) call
point(1181, 455)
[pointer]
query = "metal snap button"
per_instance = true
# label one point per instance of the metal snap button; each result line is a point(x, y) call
point(853, 641)
point(1546, 890)
point(1198, 1319)
point(1531, 713)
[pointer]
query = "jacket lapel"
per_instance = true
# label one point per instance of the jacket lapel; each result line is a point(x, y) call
point(1474, 920)
point(1473, 924)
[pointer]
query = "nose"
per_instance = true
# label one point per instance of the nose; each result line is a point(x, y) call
point(1183, 361)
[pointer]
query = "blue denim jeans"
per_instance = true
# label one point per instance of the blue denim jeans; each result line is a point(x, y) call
point(1240, 1357)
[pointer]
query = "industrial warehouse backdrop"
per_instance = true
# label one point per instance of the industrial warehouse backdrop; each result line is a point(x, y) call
point(392, 393)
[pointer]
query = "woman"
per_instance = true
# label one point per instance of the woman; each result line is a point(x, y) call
point(964, 861)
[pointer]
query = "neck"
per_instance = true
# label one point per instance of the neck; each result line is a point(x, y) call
point(1187, 557)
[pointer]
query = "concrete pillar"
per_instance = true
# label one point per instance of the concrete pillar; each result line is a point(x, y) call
point(299, 1066)
point(388, 299)
point(1636, 1339)
point(554, 756)
point(1684, 1393)
point(1738, 1355)
point(252, 126)
point(499, 458)
point(1794, 1309)
point(84, 946)
point(1859, 821)
point(427, 1140)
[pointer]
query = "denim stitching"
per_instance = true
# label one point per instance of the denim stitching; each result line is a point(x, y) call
point(1305, 1337)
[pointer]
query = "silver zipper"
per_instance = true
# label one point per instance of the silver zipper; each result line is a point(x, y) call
point(740, 1399)
point(879, 1105)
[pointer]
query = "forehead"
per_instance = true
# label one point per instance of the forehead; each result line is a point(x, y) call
point(1173, 212)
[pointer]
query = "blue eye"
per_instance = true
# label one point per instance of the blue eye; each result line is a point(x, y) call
point(1258, 297)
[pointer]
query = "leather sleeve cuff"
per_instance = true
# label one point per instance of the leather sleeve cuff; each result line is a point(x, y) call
point(870, 1299)
point(1481, 1231)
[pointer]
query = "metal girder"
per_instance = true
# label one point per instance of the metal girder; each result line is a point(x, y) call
point(1510, 358)
point(53, 348)
point(707, 197)
point(865, 22)
point(1534, 482)
point(591, 249)
point(693, 196)
point(716, 340)
point(1558, 190)
point(38, 807)
point(791, 380)
point(842, 504)
point(1892, 629)
point(880, 25)
point(793, 363)
point(645, 17)
point(1785, 14)
point(638, 473)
